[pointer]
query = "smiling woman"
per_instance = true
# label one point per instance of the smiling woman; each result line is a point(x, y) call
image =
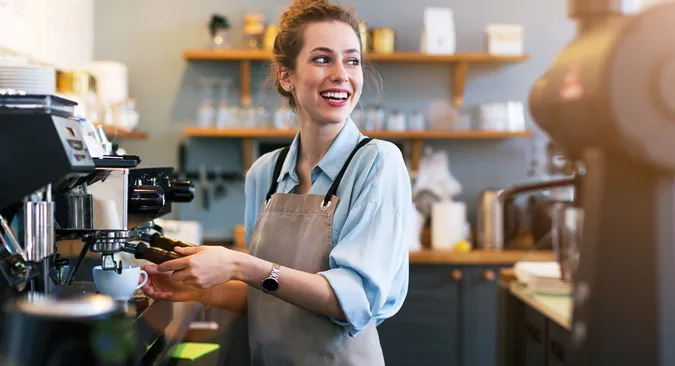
point(327, 218)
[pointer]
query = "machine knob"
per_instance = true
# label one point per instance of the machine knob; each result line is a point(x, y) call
point(456, 275)
point(164, 243)
point(154, 255)
point(146, 199)
point(180, 190)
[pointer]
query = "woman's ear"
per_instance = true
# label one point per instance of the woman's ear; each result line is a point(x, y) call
point(285, 80)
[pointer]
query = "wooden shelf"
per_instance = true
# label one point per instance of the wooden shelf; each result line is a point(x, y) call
point(244, 133)
point(459, 63)
point(415, 138)
point(407, 57)
point(121, 134)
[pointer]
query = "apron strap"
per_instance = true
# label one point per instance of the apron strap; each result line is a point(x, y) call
point(333, 188)
point(277, 170)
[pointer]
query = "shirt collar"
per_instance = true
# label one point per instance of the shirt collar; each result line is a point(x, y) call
point(335, 157)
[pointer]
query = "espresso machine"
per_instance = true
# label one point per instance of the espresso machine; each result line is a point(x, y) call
point(53, 189)
point(608, 102)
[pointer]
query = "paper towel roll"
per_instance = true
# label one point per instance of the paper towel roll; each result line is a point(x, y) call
point(448, 221)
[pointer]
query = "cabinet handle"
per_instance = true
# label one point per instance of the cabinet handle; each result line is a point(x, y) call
point(489, 275)
point(456, 275)
point(558, 350)
point(533, 332)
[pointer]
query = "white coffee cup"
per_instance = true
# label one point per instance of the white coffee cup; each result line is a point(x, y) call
point(119, 286)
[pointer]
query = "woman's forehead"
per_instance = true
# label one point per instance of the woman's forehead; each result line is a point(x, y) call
point(336, 36)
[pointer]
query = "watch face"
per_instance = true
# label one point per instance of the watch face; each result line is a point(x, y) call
point(270, 285)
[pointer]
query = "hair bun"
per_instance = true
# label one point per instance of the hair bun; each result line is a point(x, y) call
point(306, 3)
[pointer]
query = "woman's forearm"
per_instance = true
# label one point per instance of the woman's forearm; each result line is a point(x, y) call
point(229, 296)
point(308, 291)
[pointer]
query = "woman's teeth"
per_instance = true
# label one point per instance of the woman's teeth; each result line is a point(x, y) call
point(337, 96)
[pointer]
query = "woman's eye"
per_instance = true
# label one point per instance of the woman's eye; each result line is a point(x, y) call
point(321, 59)
point(354, 62)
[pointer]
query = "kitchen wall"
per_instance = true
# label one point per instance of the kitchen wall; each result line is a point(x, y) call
point(149, 36)
point(56, 32)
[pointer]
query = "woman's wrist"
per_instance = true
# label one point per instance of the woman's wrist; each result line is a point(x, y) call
point(250, 269)
point(204, 296)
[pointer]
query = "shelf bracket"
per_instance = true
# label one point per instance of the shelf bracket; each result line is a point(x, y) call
point(247, 147)
point(245, 79)
point(416, 150)
point(460, 72)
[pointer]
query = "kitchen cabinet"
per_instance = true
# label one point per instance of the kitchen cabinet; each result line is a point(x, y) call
point(557, 345)
point(535, 334)
point(449, 318)
point(426, 329)
point(527, 336)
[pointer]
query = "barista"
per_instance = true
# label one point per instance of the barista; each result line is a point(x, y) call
point(326, 219)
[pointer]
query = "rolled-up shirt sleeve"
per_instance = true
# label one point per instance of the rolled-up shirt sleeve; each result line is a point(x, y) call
point(369, 263)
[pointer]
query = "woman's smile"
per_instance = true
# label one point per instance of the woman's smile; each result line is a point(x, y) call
point(336, 97)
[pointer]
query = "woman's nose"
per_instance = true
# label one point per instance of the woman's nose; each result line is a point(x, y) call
point(339, 73)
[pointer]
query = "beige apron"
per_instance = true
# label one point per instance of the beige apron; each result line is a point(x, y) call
point(295, 231)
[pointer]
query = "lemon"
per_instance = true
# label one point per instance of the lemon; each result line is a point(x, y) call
point(462, 246)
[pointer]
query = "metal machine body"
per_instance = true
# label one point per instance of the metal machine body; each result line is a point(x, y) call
point(109, 208)
point(608, 101)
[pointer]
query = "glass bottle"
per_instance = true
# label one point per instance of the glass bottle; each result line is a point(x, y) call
point(224, 116)
point(206, 111)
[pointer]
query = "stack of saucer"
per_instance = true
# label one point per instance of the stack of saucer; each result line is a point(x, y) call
point(31, 79)
point(542, 277)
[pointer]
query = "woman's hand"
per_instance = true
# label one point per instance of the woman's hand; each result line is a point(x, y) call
point(161, 286)
point(202, 267)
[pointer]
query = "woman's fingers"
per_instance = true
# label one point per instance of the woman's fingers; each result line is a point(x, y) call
point(187, 250)
point(174, 265)
point(181, 276)
point(193, 283)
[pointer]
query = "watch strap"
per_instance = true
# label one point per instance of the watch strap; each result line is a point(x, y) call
point(275, 271)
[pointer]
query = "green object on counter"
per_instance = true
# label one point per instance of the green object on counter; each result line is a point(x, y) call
point(556, 307)
point(192, 351)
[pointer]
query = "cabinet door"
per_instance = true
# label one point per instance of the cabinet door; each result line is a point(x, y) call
point(536, 336)
point(425, 332)
point(479, 316)
point(557, 344)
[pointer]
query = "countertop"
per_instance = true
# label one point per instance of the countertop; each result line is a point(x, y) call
point(556, 307)
point(473, 257)
point(429, 256)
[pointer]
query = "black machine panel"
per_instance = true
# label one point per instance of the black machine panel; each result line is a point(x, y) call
point(38, 146)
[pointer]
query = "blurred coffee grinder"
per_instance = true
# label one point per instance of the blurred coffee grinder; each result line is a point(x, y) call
point(608, 102)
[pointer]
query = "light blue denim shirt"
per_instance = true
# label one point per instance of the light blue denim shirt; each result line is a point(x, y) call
point(371, 224)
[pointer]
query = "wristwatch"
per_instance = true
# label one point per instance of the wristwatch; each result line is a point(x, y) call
point(271, 283)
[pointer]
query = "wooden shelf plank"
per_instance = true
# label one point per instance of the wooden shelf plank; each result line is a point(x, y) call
point(414, 57)
point(121, 134)
point(245, 133)
point(227, 55)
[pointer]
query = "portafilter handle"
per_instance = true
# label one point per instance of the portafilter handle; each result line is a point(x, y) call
point(154, 255)
point(164, 243)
